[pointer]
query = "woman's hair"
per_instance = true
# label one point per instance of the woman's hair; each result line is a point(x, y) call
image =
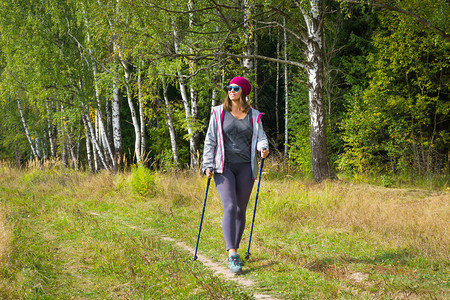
point(245, 107)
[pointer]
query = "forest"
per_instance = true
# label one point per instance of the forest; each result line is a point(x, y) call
point(356, 87)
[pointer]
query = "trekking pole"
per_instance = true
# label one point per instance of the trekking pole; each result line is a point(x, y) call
point(201, 221)
point(247, 255)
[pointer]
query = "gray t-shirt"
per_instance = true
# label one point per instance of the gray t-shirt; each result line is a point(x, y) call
point(237, 135)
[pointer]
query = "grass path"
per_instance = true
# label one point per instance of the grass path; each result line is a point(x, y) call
point(217, 268)
point(73, 235)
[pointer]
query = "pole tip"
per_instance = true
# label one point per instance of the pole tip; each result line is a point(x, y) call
point(194, 258)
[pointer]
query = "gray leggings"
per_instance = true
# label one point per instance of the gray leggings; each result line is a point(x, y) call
point(235, 187)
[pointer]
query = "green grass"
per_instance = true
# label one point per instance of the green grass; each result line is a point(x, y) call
point(71, 235)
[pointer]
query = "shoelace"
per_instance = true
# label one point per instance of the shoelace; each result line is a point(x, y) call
point(236, 261)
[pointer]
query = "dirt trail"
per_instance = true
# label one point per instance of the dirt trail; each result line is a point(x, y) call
point(218, 269)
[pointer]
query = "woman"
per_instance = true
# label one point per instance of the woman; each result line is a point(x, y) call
point(234, 135)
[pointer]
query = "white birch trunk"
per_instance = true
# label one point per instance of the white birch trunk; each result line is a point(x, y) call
point(255, 66)
point(277, 87)
point(137, 129)
point(109, 125)
point(94, 141)
point(88, 145)
point(173, 141)
point(213, 98)
point(320, 166)
point(141, 112)
point(195, 154)
point(195, 138)
point(72, 157)
point(78, 147)
point(25, 127)
point(50, 132)
point(103, 139)
point(248, 36)
point(37, 145)
point(125, 66)
point(96, 130)
point(286, 95)
point(117, 132)
point(187, 108)
point(100, 123)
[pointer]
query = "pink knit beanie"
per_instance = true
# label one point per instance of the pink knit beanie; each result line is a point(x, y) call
point(243, 83)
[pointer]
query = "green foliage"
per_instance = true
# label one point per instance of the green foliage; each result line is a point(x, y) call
point(385, 93)
point(143, 181)
point(399, 122)
point(299, 144)
point(165, 160)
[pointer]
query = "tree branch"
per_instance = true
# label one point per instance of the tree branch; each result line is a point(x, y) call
point(418, 18)
point(210, 56)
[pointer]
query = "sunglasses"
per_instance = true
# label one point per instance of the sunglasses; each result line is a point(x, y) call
point(235, 88)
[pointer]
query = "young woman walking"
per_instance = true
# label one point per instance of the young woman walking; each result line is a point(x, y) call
point(235, 134)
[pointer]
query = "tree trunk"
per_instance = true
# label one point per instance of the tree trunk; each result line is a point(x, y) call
point(195, 156)
point(101, 124)
point(109, 131)
point(117, 133)
point(255, 70)
point(88, 145)
point(196, 134)
point(137, 128)
point(37, 145)
point(173, 140)
point(25, 127)
point(277, 88)
point(213, 98)
point(248, 37)
point(72, 156)
point(286, 94)
point(187, 109)
point(141, 112)
point(320, 165)
point(94, 141)
point(51, 133)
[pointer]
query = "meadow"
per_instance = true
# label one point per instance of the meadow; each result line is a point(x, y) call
point(69, 234)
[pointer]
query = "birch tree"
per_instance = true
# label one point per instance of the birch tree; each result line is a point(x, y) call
point(188, 105)
point(170, 124)
point(314, 20)
point(27, 132)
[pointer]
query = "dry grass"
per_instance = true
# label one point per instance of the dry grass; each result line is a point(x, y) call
point(415, 219)
point(6, 173)
point(184, 189)
point(5, 237)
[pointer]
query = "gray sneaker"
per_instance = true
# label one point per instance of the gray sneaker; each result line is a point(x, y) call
point(235, 264)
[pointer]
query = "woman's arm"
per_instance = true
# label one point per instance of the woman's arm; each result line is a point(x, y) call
point(262, 142)
point(209, 148)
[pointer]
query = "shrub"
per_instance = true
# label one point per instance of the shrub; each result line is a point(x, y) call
point(143, 181)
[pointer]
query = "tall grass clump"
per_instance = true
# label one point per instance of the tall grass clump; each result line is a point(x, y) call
point(143, 181)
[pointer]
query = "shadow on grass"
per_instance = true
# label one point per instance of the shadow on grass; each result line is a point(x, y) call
point(259, 268)
point(390, 257)
point(386, 262)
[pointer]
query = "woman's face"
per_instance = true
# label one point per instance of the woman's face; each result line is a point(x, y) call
point(233, 95)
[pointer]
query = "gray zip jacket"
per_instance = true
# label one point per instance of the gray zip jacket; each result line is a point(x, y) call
point(214, 151)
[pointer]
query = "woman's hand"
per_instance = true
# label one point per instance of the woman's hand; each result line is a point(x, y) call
point(264, 152)
point(209, 172)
